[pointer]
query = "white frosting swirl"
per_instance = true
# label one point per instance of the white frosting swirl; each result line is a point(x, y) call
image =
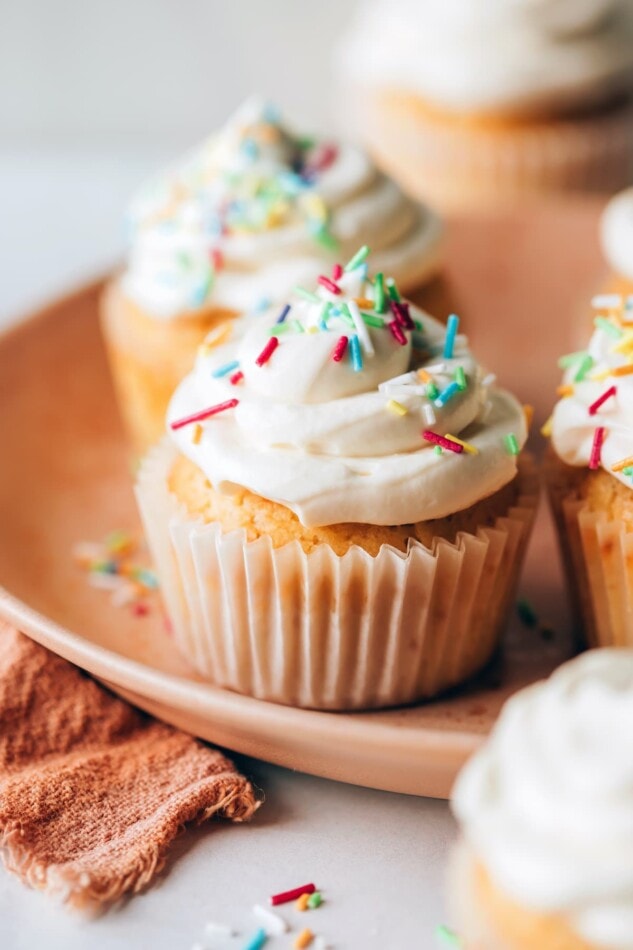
point(574, 426)
point(495, 56)
point(248, 193)
point(324, 440)
point(616, 231)
point(547, 804)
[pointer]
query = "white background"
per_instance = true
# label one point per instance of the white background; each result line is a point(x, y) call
point(92, 96)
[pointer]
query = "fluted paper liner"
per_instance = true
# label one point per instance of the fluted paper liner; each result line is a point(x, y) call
point(598, 557)
point(326, 631)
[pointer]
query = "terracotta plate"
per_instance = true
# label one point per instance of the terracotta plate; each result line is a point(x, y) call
point(65, 477)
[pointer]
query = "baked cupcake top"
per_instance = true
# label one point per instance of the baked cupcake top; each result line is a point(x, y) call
point(592, 424)
point(616, 232)
point(547, 804)
point(257, 209)
point(348, 405)
point(494, 56)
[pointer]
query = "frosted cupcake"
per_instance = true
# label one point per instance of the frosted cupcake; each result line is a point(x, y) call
point(254, 211)
point(339, 516)
point(590, 477)
point(546, 814)
point(473, 103)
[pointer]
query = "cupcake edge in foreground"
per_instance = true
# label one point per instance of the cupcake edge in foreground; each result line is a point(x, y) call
point(546, 816)
point(278, 584)
point(242, 219)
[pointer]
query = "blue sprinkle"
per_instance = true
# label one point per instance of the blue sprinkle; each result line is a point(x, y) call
point(147, 578)
point(354, 348)
point(451, 332)
point(262, 304)
point(226, 369)
point(249, 148)
point(451, 390)
point(284, 313)
point(271, 113)
point(257, 941)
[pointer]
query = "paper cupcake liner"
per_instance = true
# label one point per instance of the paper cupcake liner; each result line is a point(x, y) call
point(462, 164)
point(325, 631)
point(598, 559)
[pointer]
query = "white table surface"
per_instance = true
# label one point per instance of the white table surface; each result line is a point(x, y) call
point(379, 858)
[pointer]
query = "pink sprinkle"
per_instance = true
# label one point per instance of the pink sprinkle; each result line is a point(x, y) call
point(140, 610)
point(396, 331)
point(329, 285)
point(204, 413)
point(322, 160)
point(217, 259)
point(285, 896)
point(596, 448)
point(339, 350)
point(401, 313)
point(337, 272)
point(440, 440)
point(236, 378)
point(268, 351)
point(593, 408)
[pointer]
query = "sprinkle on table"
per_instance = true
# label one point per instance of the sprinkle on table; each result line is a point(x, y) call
point(268, 351)
point(257, 941)
point(304, 939)
point(596, 448)
point(511, 444)
point(112, 565)
point(284, 897)
point(273, 923)
point(302, 902)
point(339, 350)
point(204, 414)
point(452, 325)
point(607, 394)
point(315, 900)
point(442, 441)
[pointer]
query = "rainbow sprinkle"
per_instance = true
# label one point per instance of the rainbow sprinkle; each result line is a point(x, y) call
point(111, 565)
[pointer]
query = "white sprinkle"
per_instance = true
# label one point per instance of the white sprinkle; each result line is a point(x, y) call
point(123, 595)
point(436, 368)
point(393, 389)
point(106, 581)
point(606, 301)
point(361, 328)
point(321, 944)
point(489, 380)
point(273, 923)
point(429, 415)
point(398, 380)
point(214, 929)
point(88, 550)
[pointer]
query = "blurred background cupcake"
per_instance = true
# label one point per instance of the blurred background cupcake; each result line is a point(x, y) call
point(546, 816)
point(479, 102)
point(254, 211)
point(616, 231)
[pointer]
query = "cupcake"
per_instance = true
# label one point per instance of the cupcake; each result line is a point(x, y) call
point(590, 479)
point(339, 516)
point(474, 103)
point(254, 211)
point(546, 815)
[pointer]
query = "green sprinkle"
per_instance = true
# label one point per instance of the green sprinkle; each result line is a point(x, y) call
point(184, 259)
point(418, 325)
point(280, 328)
point(298, 326)
point(460, 377)
point(628, 470)
point(315, 900)
point(359, 258)
point(526, 613)
point(325, 238)
point(585, 365)
point(117, 541)
point(432, 391)
point(307, 295)
point(346, 316)
point(437, 450)
point(448, 937)
point(392, 290)
point(372, 320)
point(609, 328)
point(511, 443)
point(379, 294)
point(571, 359)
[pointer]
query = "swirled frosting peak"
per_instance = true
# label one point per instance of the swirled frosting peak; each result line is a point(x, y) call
point(547, 804)
point(592, 424)
point(257, 209)
point(348, 405)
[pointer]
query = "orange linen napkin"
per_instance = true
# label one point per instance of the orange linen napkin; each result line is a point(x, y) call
point(92, 792)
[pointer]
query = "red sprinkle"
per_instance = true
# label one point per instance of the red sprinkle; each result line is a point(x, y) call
point(236, 377)
point(440, 440)
point(337, 272)
point(140, 610)
point(287, 896)
point(268, 351)
point(322, 160)
point(396, 331)
point(329, 285)
point(339, 350)
point(593, 408)
point(217, 259)
point(204, 413)
point(401, 313)
point(596, 448)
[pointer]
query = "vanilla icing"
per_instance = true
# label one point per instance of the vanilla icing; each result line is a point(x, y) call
point(547, 804)
point(335, 443)
point(256, 210)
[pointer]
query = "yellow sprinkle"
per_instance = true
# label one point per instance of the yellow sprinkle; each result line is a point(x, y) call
point(365, 303)
point(315, 206)
point(528, 413)
point(302, 902)
point(313, 329)
point(394, 406)
point(424, 376)
point(546, 430)
point(599, 377)
point(218, 335)
point(197, 434)
point(564, 390)
point(470, 449)
point(304, 939)
point(623, 463)
point(622, 370)
point(625, 344)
